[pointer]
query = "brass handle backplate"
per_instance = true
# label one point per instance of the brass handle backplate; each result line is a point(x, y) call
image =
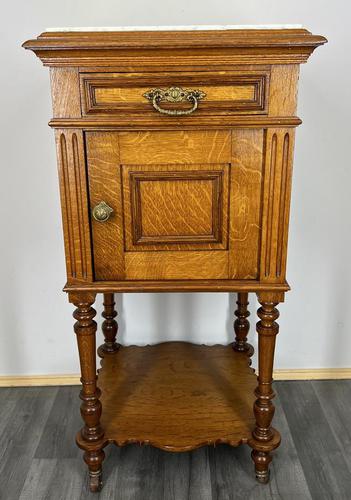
point(174, 94)
point(102, 212)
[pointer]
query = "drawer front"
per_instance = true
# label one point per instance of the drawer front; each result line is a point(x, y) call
point(185, 205)
point(177, 94)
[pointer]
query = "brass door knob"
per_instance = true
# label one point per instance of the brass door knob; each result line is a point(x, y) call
point(102, 211)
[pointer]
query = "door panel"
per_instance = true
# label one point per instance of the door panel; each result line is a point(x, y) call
point(105, 184)
point(168, 207)
point(176, 265)
point(185, 147)
point(186, 204)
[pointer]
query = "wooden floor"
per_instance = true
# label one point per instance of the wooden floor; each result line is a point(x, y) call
point(39, 459)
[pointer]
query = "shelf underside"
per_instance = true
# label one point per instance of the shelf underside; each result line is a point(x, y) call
point(177, 396)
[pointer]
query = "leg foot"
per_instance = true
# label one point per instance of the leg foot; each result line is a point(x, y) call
point(94, 459)
point(262, 459)
point(95, 482)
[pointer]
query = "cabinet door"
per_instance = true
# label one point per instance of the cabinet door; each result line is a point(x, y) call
point(185, 204)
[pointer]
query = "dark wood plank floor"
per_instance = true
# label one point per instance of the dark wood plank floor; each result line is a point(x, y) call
point(39, 459)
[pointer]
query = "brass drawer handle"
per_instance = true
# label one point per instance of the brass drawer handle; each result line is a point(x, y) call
point(102, 212)
point(174, 94)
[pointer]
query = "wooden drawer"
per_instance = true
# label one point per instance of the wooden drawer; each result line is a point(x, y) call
point(225, 92)
point(186, 204)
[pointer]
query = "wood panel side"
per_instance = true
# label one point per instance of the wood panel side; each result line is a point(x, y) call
point(105, 185)
point(65, 92)
point(245, 203)
point(75, 216)
point(276, 204)
point(186, 147)
point(175, 265)
point(283, 90)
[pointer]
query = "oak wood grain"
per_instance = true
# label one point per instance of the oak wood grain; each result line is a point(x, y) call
point(105, 184)
point(276, 204)
point(147, 122)
point(169, 207)
point(189, 148)
point(245, 203)
point(204, 285)
point(74, 202)
point(175, 265)
point(283, 89)
point(175, 49)
point(116, 95)
point(65, 92)
point(226, 92)
point(177, 396)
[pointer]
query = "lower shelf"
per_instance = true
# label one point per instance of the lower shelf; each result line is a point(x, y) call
point(177, 396)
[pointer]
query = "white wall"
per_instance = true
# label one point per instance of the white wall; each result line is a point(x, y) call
point(36, 325)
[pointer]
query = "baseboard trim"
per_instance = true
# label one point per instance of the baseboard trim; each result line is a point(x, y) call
point(38, 380)
point(74, 379)
point(313, 374)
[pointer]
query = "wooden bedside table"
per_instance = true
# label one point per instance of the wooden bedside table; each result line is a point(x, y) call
point(175, 153)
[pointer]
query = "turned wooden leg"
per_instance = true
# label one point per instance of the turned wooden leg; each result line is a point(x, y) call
point(242, 325)
point(109, 325)
point(90, 438)
point(264, 437)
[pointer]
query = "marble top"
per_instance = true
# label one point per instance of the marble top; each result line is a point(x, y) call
point(183, 28)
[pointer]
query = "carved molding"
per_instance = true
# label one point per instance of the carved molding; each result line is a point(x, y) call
point(215, 232)
point(174, 49)
point(142, 122)
point(270, 202)
point(266, 291)
point(72, 175)
point(282, 205)
point(276, 202)
point(67, 209)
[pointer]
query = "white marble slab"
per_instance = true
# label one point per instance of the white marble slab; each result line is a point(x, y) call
point(184, 28)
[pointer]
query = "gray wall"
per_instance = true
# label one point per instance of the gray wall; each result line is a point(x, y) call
point(36, 325)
